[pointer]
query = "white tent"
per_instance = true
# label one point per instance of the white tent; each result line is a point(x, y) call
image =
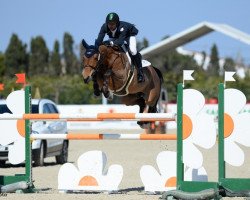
point(191, 34)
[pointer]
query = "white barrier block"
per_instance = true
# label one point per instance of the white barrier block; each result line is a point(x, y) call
point(13, 131)
point(236, 126)
point(165, 179)
point(154, 181)
point(198, 128)
point(90, 176)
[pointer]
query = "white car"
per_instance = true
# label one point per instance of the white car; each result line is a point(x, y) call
point(42, 148)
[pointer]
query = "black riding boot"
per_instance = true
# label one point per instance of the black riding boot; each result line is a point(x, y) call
point(137, 59)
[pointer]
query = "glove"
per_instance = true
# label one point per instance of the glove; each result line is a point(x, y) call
point(111, 43)
point(106, 43)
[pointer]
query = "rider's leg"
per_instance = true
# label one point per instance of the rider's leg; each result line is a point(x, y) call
point(136, 57)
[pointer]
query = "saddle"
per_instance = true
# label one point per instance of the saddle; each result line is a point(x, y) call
point(123, 91)
point(125, 49)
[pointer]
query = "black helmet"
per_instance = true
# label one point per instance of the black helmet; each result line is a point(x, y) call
point(112, 17)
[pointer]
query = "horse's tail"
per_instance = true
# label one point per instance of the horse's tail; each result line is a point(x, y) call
point(159, 74)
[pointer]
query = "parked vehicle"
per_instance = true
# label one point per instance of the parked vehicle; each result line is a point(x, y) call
point(42, 148)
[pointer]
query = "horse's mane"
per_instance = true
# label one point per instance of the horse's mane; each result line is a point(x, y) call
point(109, 49)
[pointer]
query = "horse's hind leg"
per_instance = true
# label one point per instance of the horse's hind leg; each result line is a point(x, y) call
point(129, 100)
point(143, 109)
point(152, 95)
point(142, 105)
point(152, 109)
point(134, 99)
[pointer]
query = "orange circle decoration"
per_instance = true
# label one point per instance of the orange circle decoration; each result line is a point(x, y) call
point(228, 125)
point(21, 127)
point(88, 181)
point(187, 126)
point(171, 182)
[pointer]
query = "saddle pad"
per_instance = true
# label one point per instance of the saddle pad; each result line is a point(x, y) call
point(145, 63)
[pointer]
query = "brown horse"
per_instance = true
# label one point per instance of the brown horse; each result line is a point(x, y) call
point(112, 73)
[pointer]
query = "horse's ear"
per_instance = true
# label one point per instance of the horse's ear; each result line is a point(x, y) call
point(102, 49)
point(84, 44)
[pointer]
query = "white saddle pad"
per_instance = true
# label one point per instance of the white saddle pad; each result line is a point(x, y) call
point(145, 63)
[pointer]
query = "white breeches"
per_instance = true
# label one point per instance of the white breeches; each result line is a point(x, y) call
point(132, 45)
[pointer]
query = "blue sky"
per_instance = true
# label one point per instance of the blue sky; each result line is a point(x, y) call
point(154, 19)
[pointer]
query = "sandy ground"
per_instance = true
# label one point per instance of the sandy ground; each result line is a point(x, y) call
point(130, 154)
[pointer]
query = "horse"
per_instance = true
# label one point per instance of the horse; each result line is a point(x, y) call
point(111, 72)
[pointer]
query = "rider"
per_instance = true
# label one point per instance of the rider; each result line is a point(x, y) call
point(120, 32)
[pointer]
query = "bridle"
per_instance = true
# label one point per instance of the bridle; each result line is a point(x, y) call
point(97, 67)
point(99, 63)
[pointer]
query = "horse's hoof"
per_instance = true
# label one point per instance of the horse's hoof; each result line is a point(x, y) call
point(97, 93)
point(97, 96)
point(143, 125)
point(107, 95)
point(110, 97)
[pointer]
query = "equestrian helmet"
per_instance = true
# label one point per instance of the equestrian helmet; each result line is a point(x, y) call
point(112, 17)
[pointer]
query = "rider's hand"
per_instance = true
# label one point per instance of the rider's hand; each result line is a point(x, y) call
point(111, 43)
point(106, 43)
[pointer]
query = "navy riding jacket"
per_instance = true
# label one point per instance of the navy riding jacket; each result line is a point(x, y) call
point(123, 32)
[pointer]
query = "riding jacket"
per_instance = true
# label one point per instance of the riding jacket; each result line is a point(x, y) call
point(123, 32)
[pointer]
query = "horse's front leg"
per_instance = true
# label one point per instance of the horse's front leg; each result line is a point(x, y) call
point(97, 91)
point(105, 87)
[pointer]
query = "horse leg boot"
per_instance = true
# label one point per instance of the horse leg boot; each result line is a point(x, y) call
point(137, 59)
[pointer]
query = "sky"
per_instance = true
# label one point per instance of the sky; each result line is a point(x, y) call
point(155, 19)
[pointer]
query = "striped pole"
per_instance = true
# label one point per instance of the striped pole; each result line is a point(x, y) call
point(94, 117)
point(104, 136)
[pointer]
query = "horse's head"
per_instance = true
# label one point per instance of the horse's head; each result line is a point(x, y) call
point(90, 62)
point(97, 60)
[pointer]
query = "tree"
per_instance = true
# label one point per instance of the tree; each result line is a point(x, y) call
point(229, 64)
point(55, 67)
point(16, 58)
point(203, 59)
point(39, 56)
point(2, 66)
point(142, 44)
point(214, 67)
point(145, 42)
point(174, 62)
point(72, 66)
